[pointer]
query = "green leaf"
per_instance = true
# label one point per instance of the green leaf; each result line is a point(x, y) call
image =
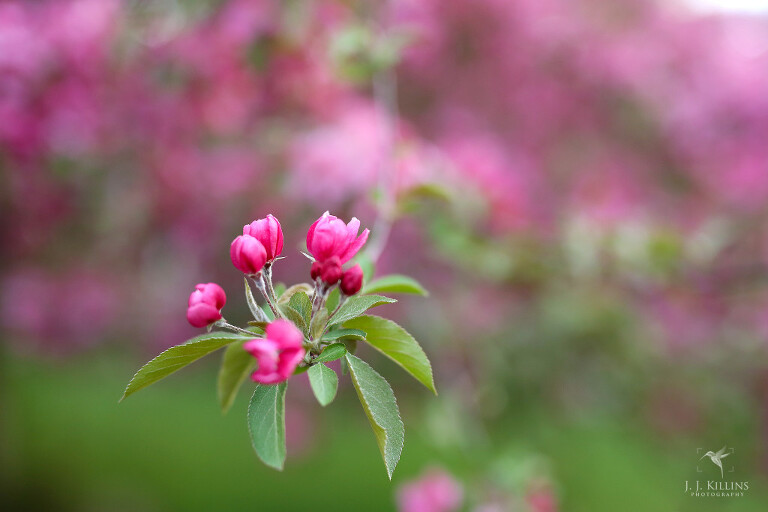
point(317, 324)
point(395, 283)
point(380, 406)
point(301, 302)
point(235, 367)
point(394, 342)
point(357, 305)
point(268, 313)
point(333, 300)
point(266, 424)
point(331, 353)
point(178, 357)
point(290, 292)
point(256, 311)
point(294, 316)
point(344, 333)
point(324, 383)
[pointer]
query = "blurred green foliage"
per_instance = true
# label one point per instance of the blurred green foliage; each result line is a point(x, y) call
point(68, 446)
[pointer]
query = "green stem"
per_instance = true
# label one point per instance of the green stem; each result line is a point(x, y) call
point(270, 288)
point(223, 323)
point(261, 286)
point(342, 299)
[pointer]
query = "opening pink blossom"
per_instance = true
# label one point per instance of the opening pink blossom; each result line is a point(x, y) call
point(329, 237)
point(277, 354)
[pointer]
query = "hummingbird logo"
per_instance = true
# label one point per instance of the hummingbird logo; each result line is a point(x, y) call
point(717, 458)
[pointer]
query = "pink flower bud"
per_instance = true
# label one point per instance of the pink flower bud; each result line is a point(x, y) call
point(329, 237)
point(314, 272)
point(352, 280)
point(248, 254)
point(205, 303)
point(278, 354)
point(269, 233)
point(330, 271)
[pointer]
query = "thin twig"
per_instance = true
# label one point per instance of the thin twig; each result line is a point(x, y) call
point(270, 288)
point(260, 285)
point(223, 323)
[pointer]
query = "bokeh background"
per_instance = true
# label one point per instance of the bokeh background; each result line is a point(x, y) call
point(581, 185)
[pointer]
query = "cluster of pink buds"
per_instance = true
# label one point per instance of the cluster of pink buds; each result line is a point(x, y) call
point(333, 243)
point(258, 247)
point(330, 241)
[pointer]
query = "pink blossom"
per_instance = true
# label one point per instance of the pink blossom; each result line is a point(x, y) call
point(248, 254)
point(278, 353)
point(436, 491)
point(352, 280)
point(205, 304)
point(329, 237)
point(269, 233)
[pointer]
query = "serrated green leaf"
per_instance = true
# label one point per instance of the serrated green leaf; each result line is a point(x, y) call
point(333, 300)
point(301, 287)
point(317, 324)
point(294, 316)
point(266, 424)
point(397, 344)
point(324, 382)
point(178, 357)
point(379, 404)
point(395, 283)
point(337, 334)
point(256, 311)
point(279, 289)
point(331, 353)
point(236, 365)
point(301, 302)
point(268, 313)
point(357, 305)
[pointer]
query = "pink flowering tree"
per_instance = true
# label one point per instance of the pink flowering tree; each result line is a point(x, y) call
point(300, 329)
